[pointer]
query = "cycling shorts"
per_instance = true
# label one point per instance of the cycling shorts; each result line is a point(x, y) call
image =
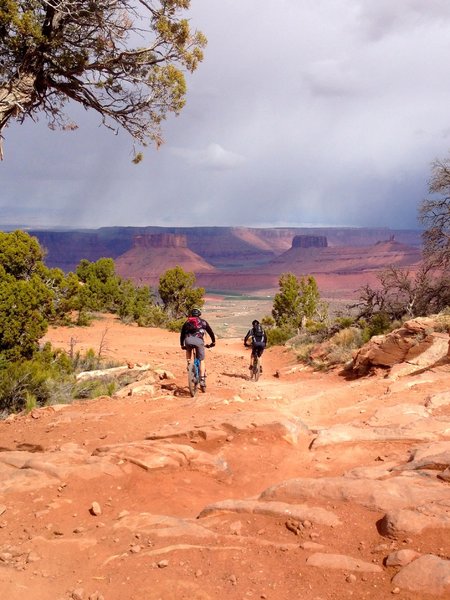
point(258, 348)
point(192, 340)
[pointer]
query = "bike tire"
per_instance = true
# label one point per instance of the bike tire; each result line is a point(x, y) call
point(255, 369)
point(192, 379)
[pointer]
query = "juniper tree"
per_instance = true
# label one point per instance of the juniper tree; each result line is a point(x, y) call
point(124, 59)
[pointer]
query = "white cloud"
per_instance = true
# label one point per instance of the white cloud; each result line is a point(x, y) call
point(327, 111)
point(212, 157)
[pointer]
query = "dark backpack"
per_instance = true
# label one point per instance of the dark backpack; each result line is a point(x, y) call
point(258, 333)
point(193, 325)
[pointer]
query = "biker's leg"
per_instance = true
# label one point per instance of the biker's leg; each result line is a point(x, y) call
point(188, 355)
point(252, 355)
point(260, 353)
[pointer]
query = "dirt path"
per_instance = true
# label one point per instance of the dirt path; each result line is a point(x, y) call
point(147, 543)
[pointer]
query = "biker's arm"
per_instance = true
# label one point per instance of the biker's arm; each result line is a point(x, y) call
point(182, 335)
point(210, 332)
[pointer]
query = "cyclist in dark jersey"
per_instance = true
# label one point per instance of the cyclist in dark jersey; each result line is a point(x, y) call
point(192, 335)
point(258, 341)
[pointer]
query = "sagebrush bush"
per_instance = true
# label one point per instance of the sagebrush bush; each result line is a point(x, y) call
point(277, 336)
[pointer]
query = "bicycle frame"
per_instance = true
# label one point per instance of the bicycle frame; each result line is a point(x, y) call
point(256, 367)
point(193, 373)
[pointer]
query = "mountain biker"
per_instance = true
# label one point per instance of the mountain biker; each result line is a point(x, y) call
point(192, 334)
point(258, 343)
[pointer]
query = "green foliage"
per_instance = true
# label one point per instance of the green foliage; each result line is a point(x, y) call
point(101, 286)
point(297, 300)
point(178, 294)
point(378, 324)
point(175, 324)
point(124, 60)
point(20, 254)
point(154, 316)
point(277, 336)
point(268, 322)
point(25, 382)
point(25, 306)
point(286, 303)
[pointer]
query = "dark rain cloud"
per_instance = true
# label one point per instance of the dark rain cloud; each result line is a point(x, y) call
point(327, 112)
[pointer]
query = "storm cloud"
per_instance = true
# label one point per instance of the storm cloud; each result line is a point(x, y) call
point(324, 112)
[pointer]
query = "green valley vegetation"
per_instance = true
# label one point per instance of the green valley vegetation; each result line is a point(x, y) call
point(33, 296)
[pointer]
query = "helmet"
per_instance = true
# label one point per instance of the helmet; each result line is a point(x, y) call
point(255, 322)
point(195, 312)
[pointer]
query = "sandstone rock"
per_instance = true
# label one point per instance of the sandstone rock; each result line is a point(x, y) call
point(386, 495)
point(401, 558)
point(438, 400)
point(288, 428)
point(163, 526)
point(445, 475)
point(342, 562)
point(409, 344)
point(95, 509)
point(151, 455)
point(400, 414)
point(396, 523)
point(116, 371)
point(274, 509)
point(164, 374)
point(428, 574)
point(429, 430)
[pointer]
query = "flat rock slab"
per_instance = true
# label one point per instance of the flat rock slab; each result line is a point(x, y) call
point(288, 428)
point(162, 526)
point(438, 400)
point(399, 492)
point(274, 509)
point(150, 455)
point(342, 562)
point(430, 429)
point(428, 574)
point(399, 415)
point(25, 471)
point(397, 523)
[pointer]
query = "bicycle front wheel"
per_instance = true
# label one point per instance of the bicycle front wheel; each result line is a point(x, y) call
point(192, 379)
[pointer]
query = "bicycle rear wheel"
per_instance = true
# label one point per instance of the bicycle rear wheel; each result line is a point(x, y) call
point(193, 378)
point(256, 370)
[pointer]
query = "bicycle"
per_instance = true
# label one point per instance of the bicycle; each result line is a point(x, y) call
point(255, 369)
point(256, 366)
point(193, 370)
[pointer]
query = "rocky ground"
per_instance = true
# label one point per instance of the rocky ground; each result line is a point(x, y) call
point(302, 485)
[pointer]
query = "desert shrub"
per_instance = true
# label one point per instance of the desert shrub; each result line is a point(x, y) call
point(92, 388)
point(21, 380)
point(178, 292)
point(277, 336)
point(342, 344)
point(84, 318)
point(378, 324)
point(153, 316)
point(343, 322)
point(351, 337)
point(175, 324)
point(443, 321)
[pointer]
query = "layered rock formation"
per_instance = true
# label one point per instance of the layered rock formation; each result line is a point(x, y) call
point(309, 241)
point(153, 254)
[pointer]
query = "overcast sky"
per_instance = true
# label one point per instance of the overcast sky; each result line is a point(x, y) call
point(304, 112)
